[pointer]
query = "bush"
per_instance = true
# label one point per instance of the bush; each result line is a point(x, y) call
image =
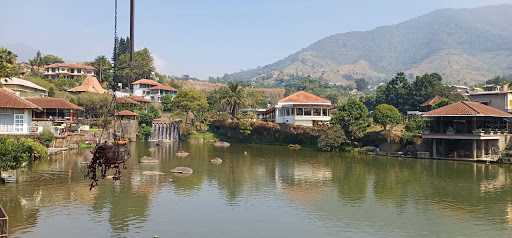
point(145, 132)
point(14, 152)
point(332, 139)
point(46, 137)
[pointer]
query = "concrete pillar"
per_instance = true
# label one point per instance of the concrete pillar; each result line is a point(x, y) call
point(434, 148)
point(474, 149)
point(483, 148)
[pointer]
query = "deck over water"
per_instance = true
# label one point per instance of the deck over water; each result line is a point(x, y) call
point(266, 192)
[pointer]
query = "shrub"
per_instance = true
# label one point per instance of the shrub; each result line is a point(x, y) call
point(332, 139)
point(46, 137)
point(14, 152)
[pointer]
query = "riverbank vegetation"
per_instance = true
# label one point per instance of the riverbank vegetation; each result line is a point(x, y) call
point(17, 152)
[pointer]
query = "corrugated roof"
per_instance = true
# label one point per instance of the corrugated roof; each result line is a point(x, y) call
point(53, 103)
point(146, 81)
point(467, 108)
point(302, 97)
point(22, 82)
point(91, 85)
point(9, 99)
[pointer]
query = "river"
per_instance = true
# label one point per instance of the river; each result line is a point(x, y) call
point(261, 191)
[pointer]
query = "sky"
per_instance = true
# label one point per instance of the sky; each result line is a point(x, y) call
point(200, 37)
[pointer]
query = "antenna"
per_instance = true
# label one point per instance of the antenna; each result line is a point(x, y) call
point(115, 55)
point(132, 29)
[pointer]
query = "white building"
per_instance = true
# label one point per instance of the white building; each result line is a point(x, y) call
point(15, 114)
point(68, 70)
point(152, 90)
point(301, 108)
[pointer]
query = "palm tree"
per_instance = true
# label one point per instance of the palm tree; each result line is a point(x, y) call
point(234, 98)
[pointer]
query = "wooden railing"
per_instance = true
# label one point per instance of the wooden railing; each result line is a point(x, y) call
point(3, 223)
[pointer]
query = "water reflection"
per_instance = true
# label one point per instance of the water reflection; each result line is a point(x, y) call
point(306, 192)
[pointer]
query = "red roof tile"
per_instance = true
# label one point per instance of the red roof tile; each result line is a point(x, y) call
point(302, 97)
point(90, 85)
point(9, 99)
point(467, 108)
point(126, 113)
point(126, 100)
point(164, 87)
point(433, 101)
point(53, 103)
point(147, 81)
point(74, 66)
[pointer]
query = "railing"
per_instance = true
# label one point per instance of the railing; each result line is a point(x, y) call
point(3, 223)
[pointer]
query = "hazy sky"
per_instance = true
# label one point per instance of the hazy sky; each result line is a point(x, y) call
point(201, 37)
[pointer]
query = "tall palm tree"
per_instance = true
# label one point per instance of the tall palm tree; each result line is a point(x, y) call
point(234, 98)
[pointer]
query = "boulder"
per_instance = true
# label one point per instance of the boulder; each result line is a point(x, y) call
point(152, 173)
point(148, 160)
point(222, 144)
point(182, 170)
point(182, 154)
point(216, 161)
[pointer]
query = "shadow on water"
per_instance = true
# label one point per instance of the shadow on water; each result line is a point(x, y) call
point(306, 192)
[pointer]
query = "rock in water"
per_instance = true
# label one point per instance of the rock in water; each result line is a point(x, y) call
point(182, 170)
point(148, 160)
point(216, 161)
point(182, 154)
point(222, 144)
point(152, 173)
point(294, 147)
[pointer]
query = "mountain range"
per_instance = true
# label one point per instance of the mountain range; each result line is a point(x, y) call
point(466, 46)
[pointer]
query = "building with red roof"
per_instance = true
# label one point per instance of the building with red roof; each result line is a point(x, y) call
point(16, 114)
point(126, 114)
point(467, 131)
point(64, 70)
point(89, 85)
point(152, 90)
point(55, 110)
point(301, 108)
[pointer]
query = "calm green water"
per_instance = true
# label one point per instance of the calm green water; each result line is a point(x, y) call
point(265, 192)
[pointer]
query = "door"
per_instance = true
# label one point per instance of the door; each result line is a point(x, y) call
point(19, 122)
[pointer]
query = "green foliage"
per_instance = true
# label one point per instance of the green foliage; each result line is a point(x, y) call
point(246, 121)
point(443, 102)
point(352, 117)
point(361, 84)
point(8, 67)
point(145, 132)
point(190, 101)
point(142, 66)
point(229, 99)
point(332, 139)
point(51, 59)
point(167, 103)
point(415, 124)
point(387, 116)
point(14, 152)
point(406, 96)
point(94, 105)
point(51, 92)
point(46, 137)
point(146, 121)
point(499, 80)
point(103, 69)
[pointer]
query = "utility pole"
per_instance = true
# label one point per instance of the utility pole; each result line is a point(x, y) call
point(132, 29)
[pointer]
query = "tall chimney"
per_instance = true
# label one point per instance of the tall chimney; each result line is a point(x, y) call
point(132, 29)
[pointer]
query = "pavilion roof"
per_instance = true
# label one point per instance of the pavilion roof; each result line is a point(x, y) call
point(302, 97)
point(90, 85)
point(126, 113)
point(467, 108)
point(53, 103)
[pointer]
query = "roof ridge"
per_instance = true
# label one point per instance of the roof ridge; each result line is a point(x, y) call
point(471, 107)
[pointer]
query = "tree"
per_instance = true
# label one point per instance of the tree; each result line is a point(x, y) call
point(37, 61)
point(396, 92)
point(331, 139)
point(51, 59)
point(352, 117)
point(94, 105)
point(387, 116)
point(8, 67)
point(141, 67)
point(51, 92)
point(361, 84)
point(15, 152)
point(103, 68)
point(190, 101)
point(167, 103)
point(443, 102)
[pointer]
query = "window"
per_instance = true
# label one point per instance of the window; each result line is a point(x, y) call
point(299, 112)
point(317, 112)
point(307, 111)
point(288, 112)
point(324, 112)
point(19, 121)
point(78, 71)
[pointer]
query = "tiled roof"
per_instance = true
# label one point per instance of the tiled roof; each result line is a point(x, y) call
point(467, 108)
point(22, 82)
point(433, 101)
point(91, 85)
point(126, 100)
point(147, 81)
point(140, 99)
point(9, 99)
point(302, 97)
point(74, 66)
point(53, 103)
point(164, 87)
point(126, 113)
